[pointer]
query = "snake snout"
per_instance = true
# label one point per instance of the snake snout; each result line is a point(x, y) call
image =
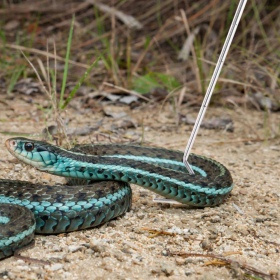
point(11, 144)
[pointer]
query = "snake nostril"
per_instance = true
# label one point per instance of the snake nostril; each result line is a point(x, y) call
point(29, 146)
point(10, 144)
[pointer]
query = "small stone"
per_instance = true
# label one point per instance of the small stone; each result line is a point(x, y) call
point(215, 219)
point(242, 229)
point(140, 216)
point(243, 192)
point(20, 262)
point(75, 248)
point(275, 271)
point(112, 224)
point(18, 167)
point(131, 245)
point(97, 246)
point(23, 268)
point(252, 254)
point(188, 272)
point(272, 224)
point(205, 245)
point(120, 257)
point(164, 253)
point(56, 248)
point(213, 230)
point(155, 270)
point(167, 269)
point(180, 261)
point(233, 237)
point(56, 266)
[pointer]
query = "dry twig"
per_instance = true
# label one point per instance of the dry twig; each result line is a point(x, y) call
point(222, 260)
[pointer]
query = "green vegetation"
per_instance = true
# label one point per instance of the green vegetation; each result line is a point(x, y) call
point(148, 82)
point(147, 58)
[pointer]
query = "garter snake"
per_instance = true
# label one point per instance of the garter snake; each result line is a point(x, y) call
point(100, 189)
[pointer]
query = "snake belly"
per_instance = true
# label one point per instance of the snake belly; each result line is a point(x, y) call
point(109, 169)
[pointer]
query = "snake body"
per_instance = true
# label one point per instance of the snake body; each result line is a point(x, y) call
point(100, 189)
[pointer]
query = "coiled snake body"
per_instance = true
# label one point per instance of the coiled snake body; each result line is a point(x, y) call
point(71, 207)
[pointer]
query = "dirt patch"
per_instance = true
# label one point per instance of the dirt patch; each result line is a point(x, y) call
point(244, 229)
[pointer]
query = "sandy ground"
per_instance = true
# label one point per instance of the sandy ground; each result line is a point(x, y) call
point(244, 229)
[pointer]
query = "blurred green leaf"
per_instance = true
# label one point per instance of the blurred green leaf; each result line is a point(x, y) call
point(144, 84)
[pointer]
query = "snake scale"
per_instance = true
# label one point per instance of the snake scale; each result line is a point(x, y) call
point(100, 189)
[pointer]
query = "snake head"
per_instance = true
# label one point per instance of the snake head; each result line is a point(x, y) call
point(35, 153)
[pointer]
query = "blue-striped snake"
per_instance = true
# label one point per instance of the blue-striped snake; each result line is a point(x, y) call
point(85, 203)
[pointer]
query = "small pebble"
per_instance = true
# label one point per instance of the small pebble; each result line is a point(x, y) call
point(215, 219)
point(75, 248)
point(241, 229)
point(206, 245)
point(188, 272)
point(97, 246)
point(140, 216)
point(167, 269)
point(56, 266)
point(17, 167)
point(180, 261)
point(164, 253)
point(23, 268)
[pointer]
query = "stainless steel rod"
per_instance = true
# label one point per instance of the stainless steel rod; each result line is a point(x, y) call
point(213, 82)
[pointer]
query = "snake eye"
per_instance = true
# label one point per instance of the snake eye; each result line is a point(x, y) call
point(29, 146)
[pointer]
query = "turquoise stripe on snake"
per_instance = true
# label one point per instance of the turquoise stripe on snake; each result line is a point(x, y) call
point(162, 162)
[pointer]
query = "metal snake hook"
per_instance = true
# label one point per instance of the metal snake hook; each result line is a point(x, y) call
point(213, 82)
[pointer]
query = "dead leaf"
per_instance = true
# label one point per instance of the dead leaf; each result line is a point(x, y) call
point(269, 100)
point(129, 21)
point(11, 25)
point(224, 123)
point(27, 86)
point(128, 99)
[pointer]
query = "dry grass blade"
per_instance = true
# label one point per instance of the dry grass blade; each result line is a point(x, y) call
point(129, 21)
point(37, 74)
point(46, 54)
point(188, 44)
point(17, 255)
point(191, 42)
point(156, 232)
point(127, 91)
